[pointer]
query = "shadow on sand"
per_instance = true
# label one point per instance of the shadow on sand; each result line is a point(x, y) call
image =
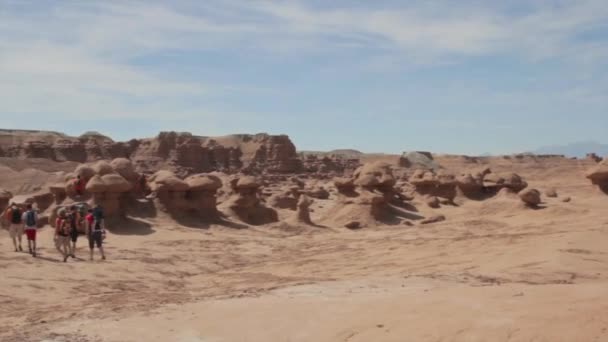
point(129, 226)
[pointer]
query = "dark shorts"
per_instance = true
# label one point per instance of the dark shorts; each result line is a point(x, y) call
point(95, 239)
point(74, 235)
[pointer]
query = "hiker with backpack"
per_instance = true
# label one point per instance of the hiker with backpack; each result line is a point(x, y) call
point(96, 230)
point(73, 221)
point(30, 221)
point(62, 235)
point(13, 215)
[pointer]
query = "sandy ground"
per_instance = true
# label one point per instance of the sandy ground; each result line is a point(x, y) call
point(493, 271)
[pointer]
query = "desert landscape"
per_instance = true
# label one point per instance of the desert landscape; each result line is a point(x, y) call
point(246, 238)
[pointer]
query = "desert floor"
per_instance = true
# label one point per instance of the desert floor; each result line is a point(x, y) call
point(493, 271)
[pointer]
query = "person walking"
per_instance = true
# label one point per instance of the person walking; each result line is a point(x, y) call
point(73, 225)
point(13, 215)
point(96, 232)
point(30, 225)
point(62, 236)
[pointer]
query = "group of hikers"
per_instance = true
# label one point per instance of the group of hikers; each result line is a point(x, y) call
point(70, 221)
point(68, 224)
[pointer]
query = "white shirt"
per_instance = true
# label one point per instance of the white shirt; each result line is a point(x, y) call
point(24, 219)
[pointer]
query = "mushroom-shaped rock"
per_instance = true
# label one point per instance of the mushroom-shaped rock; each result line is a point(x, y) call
point(170, 191)
point(84, 171)
point(203, 183)
point(376, 174)
point(116, 183)
point(96, 185)
point(124, 167)
point(164, 181)
point(531, 197)
point(102, 168)
point(247, 182)
point(202, 194)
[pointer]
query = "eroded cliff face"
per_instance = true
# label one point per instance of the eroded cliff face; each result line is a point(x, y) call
point(182, 153)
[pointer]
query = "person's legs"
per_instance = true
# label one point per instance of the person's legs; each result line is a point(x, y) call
point(91, 245)
point(74, 238)
point(31, 241)
point(64, 242)
point(12, 231)
point(100, 246)
point(20, 236)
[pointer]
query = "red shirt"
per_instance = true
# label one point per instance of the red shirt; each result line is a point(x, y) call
point(89, 219)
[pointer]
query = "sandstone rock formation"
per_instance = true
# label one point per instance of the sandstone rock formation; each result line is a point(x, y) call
point(170, 192)
point(418, 160)
point(108, 191)
point(551, 193)
point(245, 204)
point(182, 153)
point(5, 197)
point(202, 194)
point(431, 183)
point(531, 197)
point(599, 175)
point(512, 181)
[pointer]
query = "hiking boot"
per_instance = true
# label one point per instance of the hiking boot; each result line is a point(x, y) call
point(65, 258)
point(34, 254)
point(73, 256)
point(103, 257)
point(30, 251)
point(20, 249)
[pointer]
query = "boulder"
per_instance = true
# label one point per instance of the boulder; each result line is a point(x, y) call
point(552, 193)
point(599, 175)
point(318, 193)
point(508, 180)
point(124, 167)
point(116, 183)
point(353, 225)
point(432, 202)
point(418, 160)
point(84, 171)
point(96, 185)
point(165, 181)
point(102, 168)
point(531, 197)
point(566, 199)
point(203, 182)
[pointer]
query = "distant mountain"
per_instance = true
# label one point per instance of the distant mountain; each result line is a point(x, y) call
point(577, 149)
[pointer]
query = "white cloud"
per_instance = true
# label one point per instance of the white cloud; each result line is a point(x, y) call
point(70, 57)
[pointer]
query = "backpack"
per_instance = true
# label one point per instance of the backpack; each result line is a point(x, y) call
point(30, 219)
point(16, 216)
point(97, 214)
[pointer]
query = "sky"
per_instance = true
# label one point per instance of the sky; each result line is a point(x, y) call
point(467, 76)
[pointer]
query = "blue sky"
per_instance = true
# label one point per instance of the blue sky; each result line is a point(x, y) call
point(378, 76)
